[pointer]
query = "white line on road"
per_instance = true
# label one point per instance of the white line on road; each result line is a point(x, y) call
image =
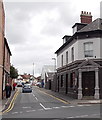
point(56, 107)
point(20, 112)
point(35, 97)
point(83, 116)
point(15, 113)
point(30, 110)
point(42, 106)
point(84, 105)
point(26, 107)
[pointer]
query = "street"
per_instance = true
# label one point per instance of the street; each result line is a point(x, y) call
point(42, 105)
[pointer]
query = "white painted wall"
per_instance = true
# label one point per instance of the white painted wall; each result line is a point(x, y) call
point(79, 50)
point(101, 47)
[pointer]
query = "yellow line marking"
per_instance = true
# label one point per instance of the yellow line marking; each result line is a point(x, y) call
point(55, 97)
point(11, 103)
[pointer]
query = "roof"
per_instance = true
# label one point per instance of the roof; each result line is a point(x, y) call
point(96, 25)
point(50, 75)
point(48, 68)
point(26, 76)
point(79, 24)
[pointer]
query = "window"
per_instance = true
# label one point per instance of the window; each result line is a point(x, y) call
point(62, 60)
point(62, 80)
point(88, 49)
point(67, 57)
point(72, 53)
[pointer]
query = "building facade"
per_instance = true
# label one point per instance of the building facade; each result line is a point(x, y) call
point(79, 60)
point(5, 54)
point(46, 75)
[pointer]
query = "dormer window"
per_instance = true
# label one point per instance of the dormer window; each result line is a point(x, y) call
point(75, 29)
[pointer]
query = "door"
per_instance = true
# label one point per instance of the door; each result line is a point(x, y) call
point(88, 83)
point(58, 84)
point(66, 83)
point(49, 84)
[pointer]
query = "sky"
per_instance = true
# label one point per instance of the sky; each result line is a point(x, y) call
point(34, 29)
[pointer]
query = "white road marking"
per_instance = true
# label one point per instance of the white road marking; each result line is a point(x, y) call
point(83, 116)
point(33, 94)
point(83, 105)
point(42, 106)
point(26, 107)
point(30, 110)
point(20, 112)
point(15, 113)
point(71, 106)
point(56, 107)
point(36, 98)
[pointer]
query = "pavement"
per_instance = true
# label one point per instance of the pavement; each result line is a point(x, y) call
point(5, 102)
point(71, 100)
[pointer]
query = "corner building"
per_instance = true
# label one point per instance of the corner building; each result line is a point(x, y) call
point(79, 60)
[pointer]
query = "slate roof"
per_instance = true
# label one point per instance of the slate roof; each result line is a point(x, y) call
point(96, 25)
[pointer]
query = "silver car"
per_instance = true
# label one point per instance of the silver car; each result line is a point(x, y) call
point(26, 88)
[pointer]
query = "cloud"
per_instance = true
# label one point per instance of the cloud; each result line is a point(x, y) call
point(35, 29)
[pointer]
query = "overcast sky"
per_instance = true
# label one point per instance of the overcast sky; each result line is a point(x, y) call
point(34, 29)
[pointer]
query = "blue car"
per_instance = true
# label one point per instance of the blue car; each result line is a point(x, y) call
point(26, 88)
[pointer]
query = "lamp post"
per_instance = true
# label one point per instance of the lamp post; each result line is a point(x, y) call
point(33, 69)
point(54, 64)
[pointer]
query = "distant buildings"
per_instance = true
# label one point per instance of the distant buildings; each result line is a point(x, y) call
point(47, 75)
point(79, 60)
point(5, 54)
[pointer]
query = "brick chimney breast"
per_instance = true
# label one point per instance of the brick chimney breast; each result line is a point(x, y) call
point(86, 17)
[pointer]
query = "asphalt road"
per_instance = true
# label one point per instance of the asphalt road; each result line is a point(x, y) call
point(41, 105)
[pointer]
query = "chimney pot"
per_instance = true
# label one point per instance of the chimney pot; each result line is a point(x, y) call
point(86, 17)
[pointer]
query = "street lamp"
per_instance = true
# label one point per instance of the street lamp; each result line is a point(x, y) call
point(33, 69)
point(55, 63)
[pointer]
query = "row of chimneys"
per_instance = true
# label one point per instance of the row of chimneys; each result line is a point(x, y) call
point(86, 17)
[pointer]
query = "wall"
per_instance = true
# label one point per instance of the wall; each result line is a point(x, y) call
point(2, 21)
point(101, 47)
point(79, 50)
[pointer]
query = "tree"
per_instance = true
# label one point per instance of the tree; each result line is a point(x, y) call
point(13, 72)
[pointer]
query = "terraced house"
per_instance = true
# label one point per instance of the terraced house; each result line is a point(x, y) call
point(79, 60)
point(5, 53)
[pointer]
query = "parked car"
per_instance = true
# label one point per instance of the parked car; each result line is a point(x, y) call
point(19, 84)
point(38, 84)
point(26, 88)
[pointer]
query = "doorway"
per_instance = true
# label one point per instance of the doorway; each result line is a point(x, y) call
point(88, 83)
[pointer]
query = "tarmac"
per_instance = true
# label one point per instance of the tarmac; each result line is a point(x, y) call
point(6, 102)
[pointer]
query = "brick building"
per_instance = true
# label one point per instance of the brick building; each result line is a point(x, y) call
point(5, 53)
point(79, 60)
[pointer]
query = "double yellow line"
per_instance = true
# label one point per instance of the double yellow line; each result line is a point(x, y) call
point(11, 105)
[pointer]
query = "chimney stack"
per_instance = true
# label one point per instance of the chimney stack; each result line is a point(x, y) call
point(86, 17)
